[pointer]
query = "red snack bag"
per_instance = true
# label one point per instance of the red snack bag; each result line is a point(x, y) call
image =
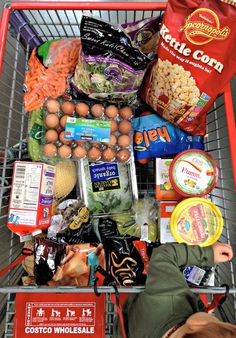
point(197, 55)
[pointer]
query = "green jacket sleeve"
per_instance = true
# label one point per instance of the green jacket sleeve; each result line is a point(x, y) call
point(167, 299)
point(164, 274)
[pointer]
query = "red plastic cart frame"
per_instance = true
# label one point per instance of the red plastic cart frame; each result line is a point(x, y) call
point(113, 6)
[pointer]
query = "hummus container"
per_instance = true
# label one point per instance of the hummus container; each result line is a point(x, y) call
point(196, 221)
point(193, 173)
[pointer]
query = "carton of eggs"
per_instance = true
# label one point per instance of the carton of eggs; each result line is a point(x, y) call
point(55, 144)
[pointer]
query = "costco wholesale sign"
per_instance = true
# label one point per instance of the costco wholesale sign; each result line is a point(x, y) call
point(59, 314)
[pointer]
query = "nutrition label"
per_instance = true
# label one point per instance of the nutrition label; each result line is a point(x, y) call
point(26, 186)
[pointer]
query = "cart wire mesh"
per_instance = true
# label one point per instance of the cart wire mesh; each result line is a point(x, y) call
point(45, 24)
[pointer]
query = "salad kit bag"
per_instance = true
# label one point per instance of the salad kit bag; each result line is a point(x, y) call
point(196, 59)
point(109, 66)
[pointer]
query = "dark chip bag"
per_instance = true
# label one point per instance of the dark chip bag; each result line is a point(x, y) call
point(48, 256)
point(124, 264)
point(107, 227)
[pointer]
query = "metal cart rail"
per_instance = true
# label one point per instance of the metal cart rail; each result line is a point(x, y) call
point(61, 19)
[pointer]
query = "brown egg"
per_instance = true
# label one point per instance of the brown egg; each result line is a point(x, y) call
point(109, 155)
point(82, 109)
point(126, 112)
point(123, 155)
point(124, 141)
point(79, 152)
point(94, 154)
point(97, 110)
point(51, 136)
point(114, 126)
point(125, 127)
point(50, 150)
point(95, 144)
point(63, 139)
point(51, 121)
point(64, 151)
point(79, 141)
point(113, 140)
point(111, 111)
point(68, 107)
point(63, 121)
point(52, 106)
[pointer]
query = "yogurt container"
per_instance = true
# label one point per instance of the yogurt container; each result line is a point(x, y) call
point(193, 173)
point(196, 221)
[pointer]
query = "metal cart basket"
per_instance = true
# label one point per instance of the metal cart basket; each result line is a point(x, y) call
point(51, 20)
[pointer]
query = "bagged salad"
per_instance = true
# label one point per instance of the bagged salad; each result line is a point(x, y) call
point(107, 188)
point(144, 34)
point(109, 66)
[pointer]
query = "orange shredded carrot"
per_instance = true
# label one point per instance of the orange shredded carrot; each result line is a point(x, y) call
point(43, 82)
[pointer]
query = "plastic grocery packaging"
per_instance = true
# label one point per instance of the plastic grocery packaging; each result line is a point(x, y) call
point(124, 263)
point(196, 59)
point(196, 221)
point(144, 34)
point(50, 65)
point(110, 67)
point(78, 265)
point(156, 137)
point(78, 129)
point(194, 173)
point(107, 188)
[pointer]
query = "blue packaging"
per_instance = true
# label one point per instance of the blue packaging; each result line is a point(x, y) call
point(156, 137)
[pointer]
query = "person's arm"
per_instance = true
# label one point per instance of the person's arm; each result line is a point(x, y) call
point(164, 275)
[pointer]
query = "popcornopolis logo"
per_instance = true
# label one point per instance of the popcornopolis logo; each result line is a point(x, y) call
point(203, 26)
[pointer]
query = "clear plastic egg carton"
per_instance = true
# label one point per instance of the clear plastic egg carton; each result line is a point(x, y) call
point(56, 144)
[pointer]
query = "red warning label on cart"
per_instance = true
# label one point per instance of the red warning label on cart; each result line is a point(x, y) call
point(57, 315)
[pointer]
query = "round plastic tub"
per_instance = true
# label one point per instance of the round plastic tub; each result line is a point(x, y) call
point(193, 173)
point(196, 221)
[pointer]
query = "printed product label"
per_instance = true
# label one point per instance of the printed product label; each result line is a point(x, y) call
point(26, 186)
point(59, 315)
point(166, 209)
point(104, 176)
point(197, 224)
point(162, 174)
point(191, 63)
point(22, 217)
point(203, 26)
point(46, 195)
point(37, 131)
point(194, 274)
point(88, 130)
point(193, 174)
point(31, 197)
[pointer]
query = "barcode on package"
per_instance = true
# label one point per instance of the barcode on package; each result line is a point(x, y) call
point(20, 171)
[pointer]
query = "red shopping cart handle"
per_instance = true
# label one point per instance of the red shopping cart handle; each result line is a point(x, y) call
point(24, 253)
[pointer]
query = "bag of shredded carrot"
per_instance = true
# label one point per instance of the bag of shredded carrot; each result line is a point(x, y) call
point(197, 57)
point(50, 65)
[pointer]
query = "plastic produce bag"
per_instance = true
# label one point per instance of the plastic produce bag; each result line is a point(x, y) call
point(141, 222)
point(50, 65)
point(144, 34)
point(79, 264)
point(110, 67)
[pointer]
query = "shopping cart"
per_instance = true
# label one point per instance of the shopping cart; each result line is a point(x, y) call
point(36, 22)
